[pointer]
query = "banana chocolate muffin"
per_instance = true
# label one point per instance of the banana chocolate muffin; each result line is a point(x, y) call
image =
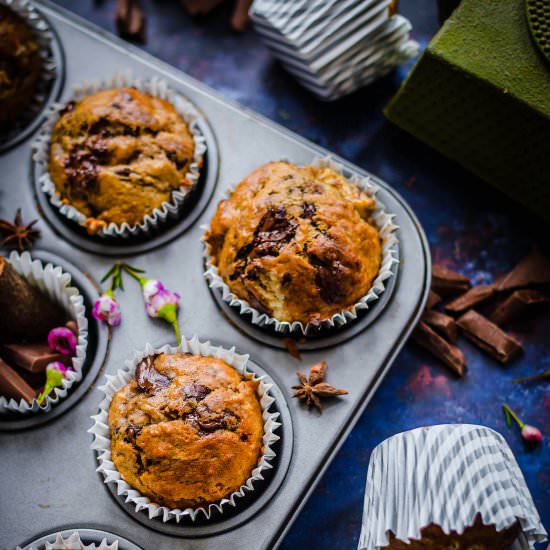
point(118, 154)
point(19, 65)
point(297, 243)
point(187, 430)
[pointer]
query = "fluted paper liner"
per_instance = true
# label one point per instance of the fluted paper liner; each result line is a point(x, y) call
point(445, 475)
point(43, 35)
point(74, 542)
point(388, 237)
point(169, 210)
point(102, 437)
point(56, 284)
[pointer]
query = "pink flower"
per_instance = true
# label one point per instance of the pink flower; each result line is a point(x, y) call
point(531, 435)
point(106, 309)
point(55, 373)
point(62, 340)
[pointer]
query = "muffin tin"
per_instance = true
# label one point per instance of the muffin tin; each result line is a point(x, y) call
point(49, 469)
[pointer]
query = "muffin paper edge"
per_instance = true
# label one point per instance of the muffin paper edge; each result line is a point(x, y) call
point(154, 86)
point(101, 433)
point(55, 283)
point(74, 541)
point(387, 231)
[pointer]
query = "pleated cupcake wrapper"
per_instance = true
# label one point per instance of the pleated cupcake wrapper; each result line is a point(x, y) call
point(56, 284)
point(43, 35)
point(387, 231)
point(445, 475)
point(74, 542)
point(102, 438)
point(169, 210)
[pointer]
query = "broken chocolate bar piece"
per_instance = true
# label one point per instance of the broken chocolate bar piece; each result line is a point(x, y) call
point(447, 282)
point(517, 304)
point(444, 324)
point(433, 300)
point(534, 269)
point(487, 336)
point(471, 298)
point(130, 20)
point(32, 357)
point(450, 355)
point(12, 386)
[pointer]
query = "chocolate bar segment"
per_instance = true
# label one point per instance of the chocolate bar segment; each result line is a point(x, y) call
point(447, 282)
point(444, 324)
point(433, 300)
point(32, 357)
point(517, 304)
point(489, 337)
point(534, 269)
point(450, 355)
point(12, 386)
point(471, 298)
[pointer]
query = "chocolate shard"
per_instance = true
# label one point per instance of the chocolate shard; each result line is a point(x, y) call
point(433, 300)
point(447, 282)
point(534, 269)
point(471, 298)
point(441, 323)
point(489, 337)
point(12, 386)
point(130, 20)
point(72, 326)
point(450, 355)
point(196, 391)
point(32, 357)
point(517, 304)
point(148, 378)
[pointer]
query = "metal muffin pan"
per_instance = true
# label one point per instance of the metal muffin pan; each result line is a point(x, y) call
point(87, 536)
point(49, 471)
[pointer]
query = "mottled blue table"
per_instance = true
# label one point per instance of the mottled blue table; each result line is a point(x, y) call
point(469, 226)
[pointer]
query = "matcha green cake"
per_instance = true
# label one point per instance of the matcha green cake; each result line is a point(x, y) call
point(480, 94)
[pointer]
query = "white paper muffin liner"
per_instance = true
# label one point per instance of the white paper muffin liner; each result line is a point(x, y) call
point(73, 542)
point(155, 87)
point(102, 437)
point(445, 475)
point(56, 284)
point(387, 231)
point(43, 36)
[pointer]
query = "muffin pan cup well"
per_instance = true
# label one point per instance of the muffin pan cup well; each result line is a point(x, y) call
point(51, 77)
point(50, 472)
point(95, 539)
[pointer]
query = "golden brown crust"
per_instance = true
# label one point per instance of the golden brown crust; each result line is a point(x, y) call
point(19, 65)
point(190, 433)
point(296, 243)
point(118, 154)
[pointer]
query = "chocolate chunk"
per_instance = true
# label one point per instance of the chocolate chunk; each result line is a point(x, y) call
point(196, 391)
point(308, 210)
point(447, 282)
point(471, 298)
point(517, 304)
point(130, 20)
point(12, 385)
point(532, 270)
point(148, 378)
point(69, 106)
point(487, 336)
point(450, 355)
point(286, 280)
point(274, 231)
point(32, 357)
point(444, 324)
point(329, 278)
point(210, 421)
point(132, 432)
point(81, 168)
point(433, 300)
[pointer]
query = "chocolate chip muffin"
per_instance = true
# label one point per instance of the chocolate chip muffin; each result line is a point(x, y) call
point(187, 430)
point(19, 66)
point(118, 154)
point(297, 243)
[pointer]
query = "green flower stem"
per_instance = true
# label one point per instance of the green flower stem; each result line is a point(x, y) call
point(534, 377)
point(177, 331)
point(510, 413)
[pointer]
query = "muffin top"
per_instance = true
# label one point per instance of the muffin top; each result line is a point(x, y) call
point(118, 154)
point(296, 243)
point(187, 430)
point(19, 65)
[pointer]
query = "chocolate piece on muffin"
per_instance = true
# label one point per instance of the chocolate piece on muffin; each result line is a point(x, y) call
point(118, 154)
point(20, 65)
point(187, 430)
point(297, 243)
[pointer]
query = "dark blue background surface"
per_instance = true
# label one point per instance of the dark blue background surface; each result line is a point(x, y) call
point(469, 226)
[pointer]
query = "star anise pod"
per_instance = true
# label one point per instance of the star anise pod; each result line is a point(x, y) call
point(17, 234)
point(315, 387)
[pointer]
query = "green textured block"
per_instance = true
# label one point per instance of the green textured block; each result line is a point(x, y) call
point(480, 94)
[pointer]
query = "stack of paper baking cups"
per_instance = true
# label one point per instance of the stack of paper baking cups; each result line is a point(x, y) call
point(334, 47)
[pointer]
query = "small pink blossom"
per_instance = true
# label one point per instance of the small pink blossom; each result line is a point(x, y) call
point(531, 435)
point(106, 309)
point(56, 372)
point(62, 340)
